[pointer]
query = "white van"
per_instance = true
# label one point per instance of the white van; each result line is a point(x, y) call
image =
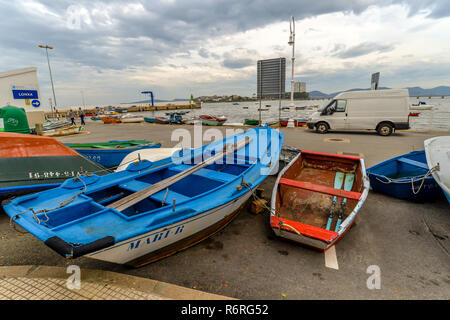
point(380, 110)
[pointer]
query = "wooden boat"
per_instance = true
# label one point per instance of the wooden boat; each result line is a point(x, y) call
point(297, 122)
point(404, 177)
point(150, 120)
point(211, 122)
point(437, 152)
point(176, 118)
point(157, 156)
point(62, 131)
point(145, 213)
point(316, 198)
point(36, 163)
point(55, 124)
point(130, 118)
point(421, 106)
point(162, 120)
point(110, 154)
point(251, 122)
point(110, 120)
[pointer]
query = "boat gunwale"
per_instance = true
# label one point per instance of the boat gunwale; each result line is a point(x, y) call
point(372, 171)
point(43, 234)
point(365, 185)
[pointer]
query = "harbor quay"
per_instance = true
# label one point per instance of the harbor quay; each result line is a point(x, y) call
point(396, 249)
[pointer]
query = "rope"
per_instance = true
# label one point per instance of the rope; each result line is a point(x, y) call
point(274, 211)
point(422, 178)
point(61, 204)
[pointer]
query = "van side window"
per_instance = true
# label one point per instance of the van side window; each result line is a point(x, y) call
point(341, 104)
point(330, 108)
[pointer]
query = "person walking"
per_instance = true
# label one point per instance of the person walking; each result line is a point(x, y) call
point(71, 116)
point(81, 113)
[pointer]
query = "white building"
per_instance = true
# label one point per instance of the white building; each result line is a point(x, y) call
point(20, 88)
point(300, 87)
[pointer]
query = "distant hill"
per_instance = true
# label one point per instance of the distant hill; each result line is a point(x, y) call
point(413, 91)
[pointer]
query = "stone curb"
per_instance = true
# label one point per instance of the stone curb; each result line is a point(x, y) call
point(104, 278)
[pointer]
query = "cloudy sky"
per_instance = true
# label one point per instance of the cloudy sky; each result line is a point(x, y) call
point(113, 50)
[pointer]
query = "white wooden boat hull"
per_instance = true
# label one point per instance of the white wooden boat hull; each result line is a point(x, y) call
point(421, 107)
point(170, 239)
point(153, 155)
point(437, 152)
point(132, 120)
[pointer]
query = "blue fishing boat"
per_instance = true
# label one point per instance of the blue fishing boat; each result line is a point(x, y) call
point(110, 154)
point(150, 210)
point(405, 177)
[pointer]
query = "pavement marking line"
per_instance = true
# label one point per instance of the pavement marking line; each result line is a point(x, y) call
point(331, 258)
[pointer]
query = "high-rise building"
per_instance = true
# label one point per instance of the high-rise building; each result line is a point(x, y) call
point(300, 87)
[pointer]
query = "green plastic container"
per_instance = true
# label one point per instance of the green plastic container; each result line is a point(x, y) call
point(13, 119)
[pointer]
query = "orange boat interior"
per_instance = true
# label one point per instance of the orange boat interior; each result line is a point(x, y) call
point(15, 145)
point(306, 190)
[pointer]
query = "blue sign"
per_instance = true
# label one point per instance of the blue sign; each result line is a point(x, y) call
point(25, 94)
point(35, 103)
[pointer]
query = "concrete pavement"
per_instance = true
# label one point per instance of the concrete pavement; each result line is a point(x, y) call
point(408, 242)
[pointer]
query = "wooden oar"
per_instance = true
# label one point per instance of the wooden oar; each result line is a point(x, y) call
point(348, 185)
point(138, 196)
point(338, 179)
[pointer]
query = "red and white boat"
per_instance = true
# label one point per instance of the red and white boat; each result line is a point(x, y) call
point(316, 198)
point(214, 118)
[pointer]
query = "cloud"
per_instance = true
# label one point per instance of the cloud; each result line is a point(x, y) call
point(117, 46)
point(362, 49)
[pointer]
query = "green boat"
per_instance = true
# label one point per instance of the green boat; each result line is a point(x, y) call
point(110, 154)
point(209, 122)
point(251, 122)
point(150, 120)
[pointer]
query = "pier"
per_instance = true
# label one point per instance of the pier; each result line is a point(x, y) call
point(408, 241)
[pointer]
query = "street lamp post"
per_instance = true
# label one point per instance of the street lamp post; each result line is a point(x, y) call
point(292, 43)
point(46, 47)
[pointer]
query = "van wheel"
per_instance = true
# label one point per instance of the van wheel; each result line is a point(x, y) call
point(385, 129)
point(322, 127)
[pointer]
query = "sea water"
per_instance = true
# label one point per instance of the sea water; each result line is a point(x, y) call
point(437, 119)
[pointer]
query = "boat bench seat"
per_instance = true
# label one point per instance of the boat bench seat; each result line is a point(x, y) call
point(136, 185)
point(413, 163)
point(171, 195)
point(207, 173)
point(320, 188)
